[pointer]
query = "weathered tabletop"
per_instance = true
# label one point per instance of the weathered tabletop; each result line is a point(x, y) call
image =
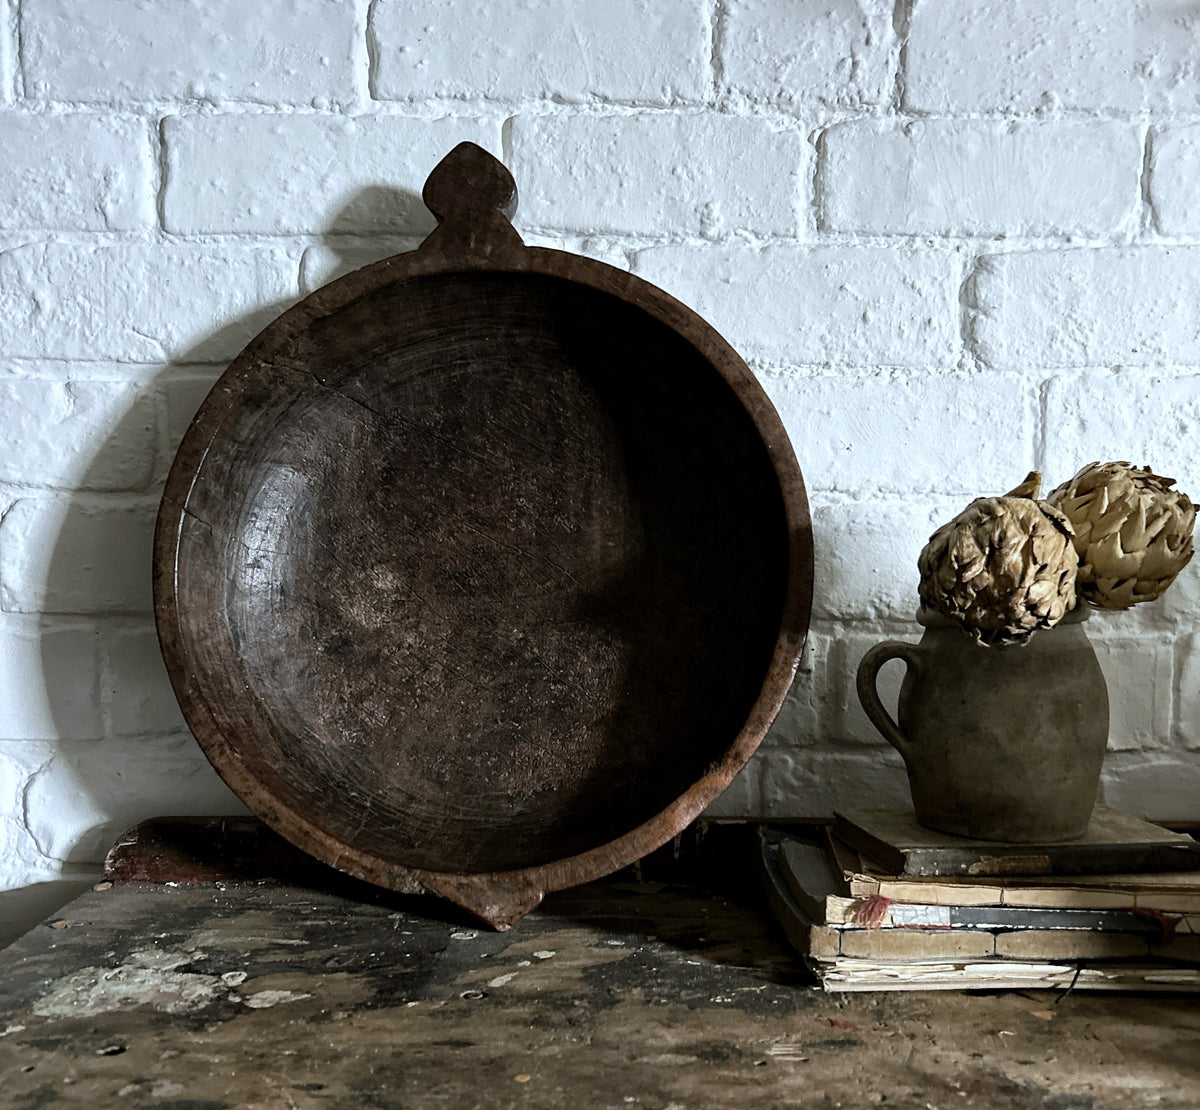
point(624, 993)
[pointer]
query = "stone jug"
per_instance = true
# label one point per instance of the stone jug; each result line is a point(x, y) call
point(1001, 743)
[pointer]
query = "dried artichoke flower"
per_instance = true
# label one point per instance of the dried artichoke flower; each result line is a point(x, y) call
point(1003, 568)
point(1133, 532)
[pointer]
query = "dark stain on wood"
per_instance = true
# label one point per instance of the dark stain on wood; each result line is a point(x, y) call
point(484, 569)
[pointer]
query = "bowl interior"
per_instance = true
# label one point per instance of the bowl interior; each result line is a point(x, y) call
point(481, 571)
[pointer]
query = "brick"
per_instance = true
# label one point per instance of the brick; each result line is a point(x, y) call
point(1083, 308)
point(1186, 730)
point(1021, 55)
point(623, 50)
point(740, 797)
point(284, 174)
point(980, 177)
point(859, 306)
point(77, 434)
point(77, 555)
point(834, 422)
point(611, 252)
point(1176, 610)
point(833, 53)
point(1146, 416)
point(295, 52)
point(87, 794)
point(866, 555)
point(1180, 605)
point(7, 53)
point(1174, 170)
point(659, 174)
point(1139, 674)
point(805, 710)
point(1158, 787)
point(136, 690)
point(185, 394)
point(851, 724)
point(21, 855)
point(816, 783)
point(50, 670)
point(140, 302)
point(53, 368)
point(325, 263)
point(75, 173)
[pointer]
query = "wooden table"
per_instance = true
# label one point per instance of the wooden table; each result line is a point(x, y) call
point(218, 990)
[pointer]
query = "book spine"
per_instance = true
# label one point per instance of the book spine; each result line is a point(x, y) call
point(881, 913)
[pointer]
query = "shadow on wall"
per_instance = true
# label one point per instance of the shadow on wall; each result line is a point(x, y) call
point(121, 752)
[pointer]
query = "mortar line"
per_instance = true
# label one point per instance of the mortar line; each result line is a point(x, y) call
point(506, 147)
point(1149, 220)
point(18, 42)
point(816, 182)
point(901, 22)
point(716, 44)
point(968, 357)
point(160, 190)
point(372, 52)
point(1041, 422)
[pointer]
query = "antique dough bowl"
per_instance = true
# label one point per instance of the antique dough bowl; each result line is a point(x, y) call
point(484, 569)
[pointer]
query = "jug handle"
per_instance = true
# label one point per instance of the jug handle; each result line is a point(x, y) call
point(868, 694)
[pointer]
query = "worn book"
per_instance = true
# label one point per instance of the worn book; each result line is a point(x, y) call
point(1115, 843)
point(1152, 892)
point(815, 880)
point(919, 959)
point(866, 975)
point(876, 928)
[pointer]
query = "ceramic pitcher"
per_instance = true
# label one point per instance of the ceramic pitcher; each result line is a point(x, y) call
point(1001, 743)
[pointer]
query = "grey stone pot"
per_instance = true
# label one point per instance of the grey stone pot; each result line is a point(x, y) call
point(1001, 743)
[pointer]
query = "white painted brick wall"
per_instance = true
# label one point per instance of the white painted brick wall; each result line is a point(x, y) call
point(33, 709)
point(819, 305)
point(76, 173)
point(956, 239)
point(848, 423)
point(1139, 413)
point(8, 41)
point(306, 53)
point(653, 172)
point(1048, 55)
point(85, 554)
point(626, 51)
point(1174, 171)
point(260, 174)
point(1187, 710)
point(827, 53)
point(980, 177)
point(51, 429)
point(866, 553)
point(1087, 307)
point(140, 302)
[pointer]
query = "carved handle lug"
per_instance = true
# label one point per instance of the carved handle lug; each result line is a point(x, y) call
point(473, 197)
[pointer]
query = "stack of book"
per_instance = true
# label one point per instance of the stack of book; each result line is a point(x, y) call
point(875, 902)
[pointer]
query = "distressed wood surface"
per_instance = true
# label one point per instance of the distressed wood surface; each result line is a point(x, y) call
point(485, 568)
point(616, 994)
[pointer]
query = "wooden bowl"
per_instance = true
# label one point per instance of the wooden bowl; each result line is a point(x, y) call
point(484, 569)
